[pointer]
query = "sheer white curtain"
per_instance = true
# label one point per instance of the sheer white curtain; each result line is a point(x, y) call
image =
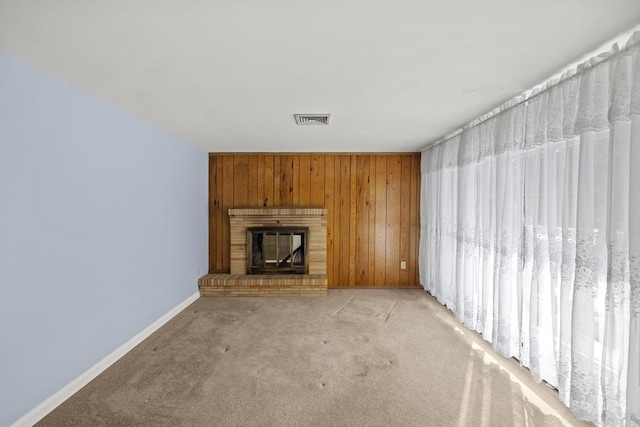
point(530, 233)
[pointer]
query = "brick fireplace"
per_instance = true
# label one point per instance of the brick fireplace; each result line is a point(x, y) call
point(239, 282)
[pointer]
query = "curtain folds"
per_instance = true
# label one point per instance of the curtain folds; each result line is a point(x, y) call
point(530, 233)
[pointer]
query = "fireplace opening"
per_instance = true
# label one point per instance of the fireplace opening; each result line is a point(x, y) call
point(279, 250)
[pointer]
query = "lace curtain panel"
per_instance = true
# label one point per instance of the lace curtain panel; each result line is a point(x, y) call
point(530, 233)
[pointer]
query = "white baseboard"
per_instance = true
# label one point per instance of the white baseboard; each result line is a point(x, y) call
point(40, 411)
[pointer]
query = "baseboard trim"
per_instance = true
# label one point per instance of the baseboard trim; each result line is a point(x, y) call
point(40, 411)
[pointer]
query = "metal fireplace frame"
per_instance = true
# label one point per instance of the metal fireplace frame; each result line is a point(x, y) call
point(280, 268)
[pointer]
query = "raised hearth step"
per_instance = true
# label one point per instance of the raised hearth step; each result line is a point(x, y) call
point(221, 284)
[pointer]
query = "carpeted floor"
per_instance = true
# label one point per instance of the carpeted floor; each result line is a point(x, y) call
point(354, 358)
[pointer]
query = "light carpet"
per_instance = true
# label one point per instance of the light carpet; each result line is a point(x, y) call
point(373, 357)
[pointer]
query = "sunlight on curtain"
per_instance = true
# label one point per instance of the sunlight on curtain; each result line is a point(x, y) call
point(530, 233)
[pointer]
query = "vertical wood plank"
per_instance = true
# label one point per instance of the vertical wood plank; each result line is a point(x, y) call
point(362, 214)
point(295, 180)
point(227, 202)
point(213, 200)
point(220, 215)
point(415, 219)
point(337, 223)
point(372, 221)
point(277, 180)
point(260, 184)
point(329, 203)
point(286, 190)
point(269, 177)
point(352, 219)
point(381, 220)
point(317, 181)
point(345, 219)
point(405, 219)
point(286, 193)
point(304, 186)
point(393, 220)
point(240, 179)
point(252, 181)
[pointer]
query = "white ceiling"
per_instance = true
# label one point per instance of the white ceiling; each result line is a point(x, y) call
point(228, 76)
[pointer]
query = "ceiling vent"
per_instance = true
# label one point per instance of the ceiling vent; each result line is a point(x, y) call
point(312, 119)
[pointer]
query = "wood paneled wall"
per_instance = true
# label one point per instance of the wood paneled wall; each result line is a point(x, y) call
point(372, 202)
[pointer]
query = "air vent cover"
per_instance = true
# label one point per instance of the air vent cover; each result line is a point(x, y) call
point(312, 119)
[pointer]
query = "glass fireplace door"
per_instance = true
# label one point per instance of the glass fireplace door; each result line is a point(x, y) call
point(277, 250)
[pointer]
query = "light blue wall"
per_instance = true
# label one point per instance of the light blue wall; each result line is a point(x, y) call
point(103, 229)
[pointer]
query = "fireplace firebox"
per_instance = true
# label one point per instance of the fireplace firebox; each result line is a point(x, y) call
point(279, 250)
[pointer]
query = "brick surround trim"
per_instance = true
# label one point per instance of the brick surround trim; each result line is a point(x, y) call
point(315, 219)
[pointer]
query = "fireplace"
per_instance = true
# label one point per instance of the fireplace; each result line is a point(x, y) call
point(245, 222)
point(277, 250)
point(274, 252)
